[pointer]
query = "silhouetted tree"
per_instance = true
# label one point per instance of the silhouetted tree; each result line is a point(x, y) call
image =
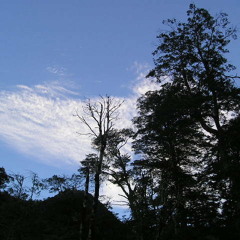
point(4, 178)
point(103, 114)
point(56, 184)
point(184, 128)
point(17, 187)
point(87, 170)
point(75, 181)
point(37, 185)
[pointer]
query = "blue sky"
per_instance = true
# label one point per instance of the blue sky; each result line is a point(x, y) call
point(56, 53)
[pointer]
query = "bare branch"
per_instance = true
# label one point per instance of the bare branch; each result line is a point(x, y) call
point(83, 120)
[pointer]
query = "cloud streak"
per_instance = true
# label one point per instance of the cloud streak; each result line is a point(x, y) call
point(39, 121)
point(56, 70)
point(38, 124)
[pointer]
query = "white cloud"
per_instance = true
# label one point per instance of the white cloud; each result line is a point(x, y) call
point(56, 70)
point(140, 68)
point(41, 126)
point(144, 85)
point(141, 84)
point(39, 121)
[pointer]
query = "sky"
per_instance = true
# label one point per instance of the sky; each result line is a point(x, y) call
point(56, 54)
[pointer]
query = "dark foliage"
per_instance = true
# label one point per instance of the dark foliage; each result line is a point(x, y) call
point(188, 131)
point(54, 218)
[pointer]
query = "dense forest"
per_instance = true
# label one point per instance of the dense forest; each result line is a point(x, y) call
point(183, 181)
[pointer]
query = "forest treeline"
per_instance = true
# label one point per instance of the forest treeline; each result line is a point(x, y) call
point(56, 217)
point(183, 181)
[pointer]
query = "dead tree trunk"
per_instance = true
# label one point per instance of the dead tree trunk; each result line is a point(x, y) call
point(103, 114)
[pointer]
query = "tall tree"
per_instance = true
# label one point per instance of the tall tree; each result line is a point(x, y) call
point(169, 140)
point(87, 170)
point(136, 184)
point(121, 173)
point(99, 117)
point(186, 129)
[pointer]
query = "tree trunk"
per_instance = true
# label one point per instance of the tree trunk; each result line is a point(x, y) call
point(93, 221)
point(84, 227)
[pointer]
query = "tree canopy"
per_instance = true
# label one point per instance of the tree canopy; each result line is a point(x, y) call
point(183, 129)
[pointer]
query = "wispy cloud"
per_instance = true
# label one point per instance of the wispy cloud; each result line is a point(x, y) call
point(142, 85)
point(39, 121)
point(140, 68)
point(38, 124)
point(56, 70)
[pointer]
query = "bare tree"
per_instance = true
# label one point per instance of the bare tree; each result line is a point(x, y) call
point(17, 187)
point(99, 117)
point(37, 185)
